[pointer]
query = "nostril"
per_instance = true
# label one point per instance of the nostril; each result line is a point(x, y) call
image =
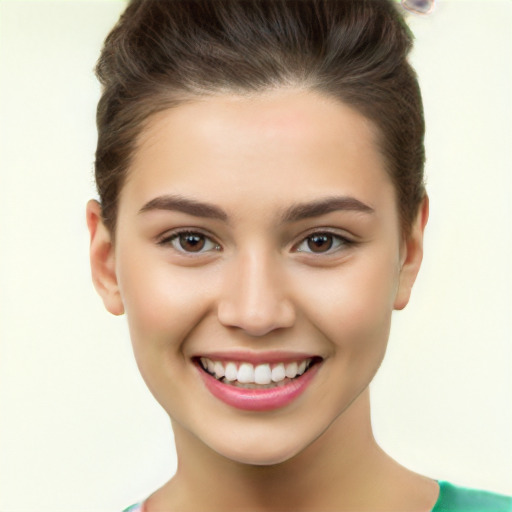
point(256, 321)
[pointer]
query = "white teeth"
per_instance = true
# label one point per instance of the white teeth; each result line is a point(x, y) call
point(218, 369)
point(245, 373)
point(278, 373)
point(262, 374)
point(291, 370)
point(231, 372)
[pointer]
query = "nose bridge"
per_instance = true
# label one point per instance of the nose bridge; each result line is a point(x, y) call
point(255, 297)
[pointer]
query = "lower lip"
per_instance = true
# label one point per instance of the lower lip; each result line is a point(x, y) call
point(259, 399)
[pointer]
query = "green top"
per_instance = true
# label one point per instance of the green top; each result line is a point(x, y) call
point(460, 499)
point(451, 499)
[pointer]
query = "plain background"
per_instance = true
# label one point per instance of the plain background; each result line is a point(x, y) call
point(78, 429)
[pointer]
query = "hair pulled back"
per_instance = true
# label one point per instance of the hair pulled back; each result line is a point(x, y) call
point(164, 52)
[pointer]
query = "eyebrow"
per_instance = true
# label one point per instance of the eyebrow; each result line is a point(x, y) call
point(294, 213)
point(185, 205)
point(324, 206)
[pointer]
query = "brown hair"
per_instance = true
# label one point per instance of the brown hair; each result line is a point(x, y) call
point(163, 52)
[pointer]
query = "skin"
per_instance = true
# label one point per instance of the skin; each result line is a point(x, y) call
point(257, 286)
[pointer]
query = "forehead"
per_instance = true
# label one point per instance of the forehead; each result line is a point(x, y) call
point(273, 147)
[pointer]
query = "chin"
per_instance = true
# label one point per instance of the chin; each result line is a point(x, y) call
point(259, 457)
point(260, 450)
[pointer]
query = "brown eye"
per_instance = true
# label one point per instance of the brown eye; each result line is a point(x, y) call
point(323, 243)
point(320, 243)
point(192, 242)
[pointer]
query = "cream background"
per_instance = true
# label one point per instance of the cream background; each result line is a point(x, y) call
point(78, 429)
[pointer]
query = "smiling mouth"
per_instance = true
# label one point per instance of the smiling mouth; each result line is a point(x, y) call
point(246, 375)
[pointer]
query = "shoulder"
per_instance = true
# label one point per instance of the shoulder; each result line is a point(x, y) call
point(453, 498)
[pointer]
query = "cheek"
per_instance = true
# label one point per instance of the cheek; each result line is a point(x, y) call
point(163, 303)
point(352, 305)
point(352, 309)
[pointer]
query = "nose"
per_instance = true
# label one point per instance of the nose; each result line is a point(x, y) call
point(254, 296)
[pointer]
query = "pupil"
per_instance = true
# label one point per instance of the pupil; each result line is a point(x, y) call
point(192, 243)
point(320, 243)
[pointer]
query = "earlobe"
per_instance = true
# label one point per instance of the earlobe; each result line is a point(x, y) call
point(412, 256)
point(102, 259)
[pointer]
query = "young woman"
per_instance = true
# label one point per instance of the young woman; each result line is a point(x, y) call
point(260, 171)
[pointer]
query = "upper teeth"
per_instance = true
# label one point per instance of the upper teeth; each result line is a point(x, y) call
point(260, 374)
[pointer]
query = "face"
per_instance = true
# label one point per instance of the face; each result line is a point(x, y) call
point(258, 257)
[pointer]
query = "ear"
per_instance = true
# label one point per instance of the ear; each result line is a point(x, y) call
point(412, 254)
point(103, 260)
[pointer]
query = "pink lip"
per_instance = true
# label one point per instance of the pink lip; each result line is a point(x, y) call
point(259, 399)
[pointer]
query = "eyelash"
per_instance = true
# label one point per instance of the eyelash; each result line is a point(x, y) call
point(170, 239)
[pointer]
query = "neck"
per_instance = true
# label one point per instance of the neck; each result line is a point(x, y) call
point(344, 466)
